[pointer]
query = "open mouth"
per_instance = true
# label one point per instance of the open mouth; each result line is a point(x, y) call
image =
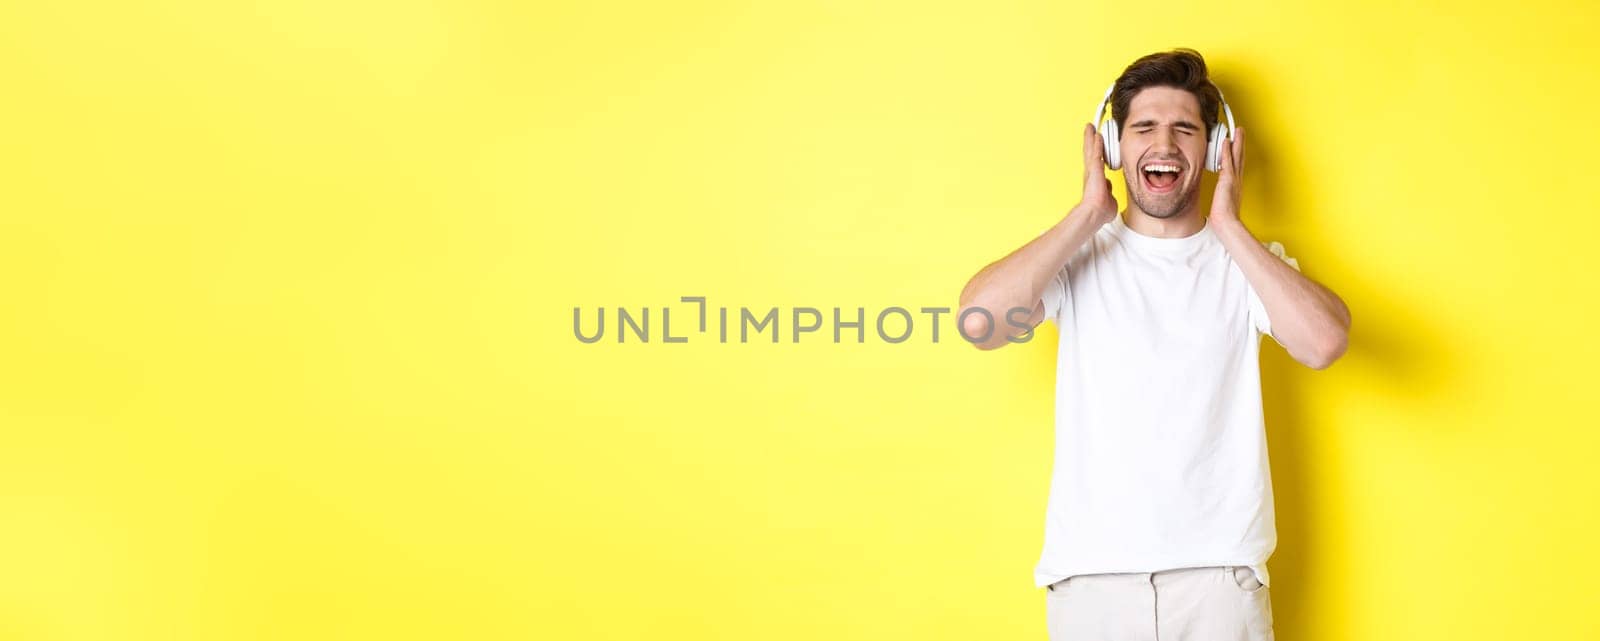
point(1161, 178)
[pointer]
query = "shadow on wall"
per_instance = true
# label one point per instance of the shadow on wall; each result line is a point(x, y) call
point(1391, 348)
point(1388, 350)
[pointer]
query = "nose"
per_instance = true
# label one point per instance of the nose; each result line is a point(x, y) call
point(1166, 140)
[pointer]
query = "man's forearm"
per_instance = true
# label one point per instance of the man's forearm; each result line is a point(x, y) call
point(1019, 279)
point(1308, 319)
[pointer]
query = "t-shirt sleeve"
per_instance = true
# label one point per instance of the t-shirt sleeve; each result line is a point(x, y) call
point(1258, 311)
point(1054, 296)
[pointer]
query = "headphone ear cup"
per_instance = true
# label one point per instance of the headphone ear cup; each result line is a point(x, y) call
point(1113, 146)
point(1214, 148)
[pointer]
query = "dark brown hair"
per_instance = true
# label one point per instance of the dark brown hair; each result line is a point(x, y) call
point(1180, 68)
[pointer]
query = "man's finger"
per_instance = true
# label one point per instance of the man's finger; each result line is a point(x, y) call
point(1088, 147)
point(1238, 149)
point(1228, 156)
point(1225, 160)
point(1099, 153)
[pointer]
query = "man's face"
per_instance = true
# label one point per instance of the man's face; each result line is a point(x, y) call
point(1163, 129)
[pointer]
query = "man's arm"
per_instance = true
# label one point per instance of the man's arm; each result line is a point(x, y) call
point(1019, 279)
point(1309, 320)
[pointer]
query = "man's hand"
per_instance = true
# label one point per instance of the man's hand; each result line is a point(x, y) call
point(1018, 280)
point(1308, 319)
point(1225, 202)
point(1097, 203)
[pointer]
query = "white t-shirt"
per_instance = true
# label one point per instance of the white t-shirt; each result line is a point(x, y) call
point(1161, 451)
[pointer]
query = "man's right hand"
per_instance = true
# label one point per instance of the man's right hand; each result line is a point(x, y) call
point(1097, 203)
point(1018, 280)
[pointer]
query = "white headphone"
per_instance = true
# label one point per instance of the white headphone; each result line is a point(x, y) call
point(1109, 133)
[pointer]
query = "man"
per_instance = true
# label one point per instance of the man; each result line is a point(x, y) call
point(1160, 519)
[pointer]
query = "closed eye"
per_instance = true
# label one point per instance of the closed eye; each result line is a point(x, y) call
point(1147, 125)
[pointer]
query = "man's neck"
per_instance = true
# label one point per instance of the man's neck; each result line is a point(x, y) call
point(1183, 225)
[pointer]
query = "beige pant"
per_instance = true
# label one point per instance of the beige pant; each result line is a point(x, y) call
point(1189, 604)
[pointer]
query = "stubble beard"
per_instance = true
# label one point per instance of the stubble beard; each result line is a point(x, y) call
point(1163, 206)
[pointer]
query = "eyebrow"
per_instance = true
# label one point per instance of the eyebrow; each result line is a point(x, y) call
point(1181, 124)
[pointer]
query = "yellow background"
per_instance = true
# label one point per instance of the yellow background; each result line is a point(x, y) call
point(288, 291)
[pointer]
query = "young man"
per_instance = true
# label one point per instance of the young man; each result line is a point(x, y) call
point(1160, 518)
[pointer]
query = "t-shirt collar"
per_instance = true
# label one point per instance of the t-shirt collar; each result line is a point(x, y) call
point(1157, 244)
